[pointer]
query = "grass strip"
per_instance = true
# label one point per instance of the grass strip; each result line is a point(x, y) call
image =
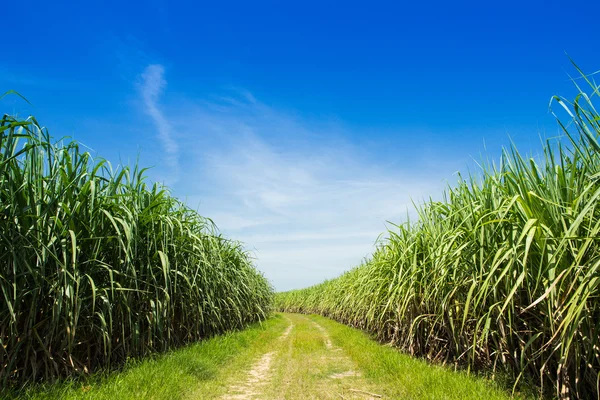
point(399, 376)
point(194, 371)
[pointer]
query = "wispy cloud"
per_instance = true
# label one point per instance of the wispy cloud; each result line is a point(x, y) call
point(151, 87)
point(305, 198)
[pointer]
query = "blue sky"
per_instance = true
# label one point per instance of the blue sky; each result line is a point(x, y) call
point(299, 128)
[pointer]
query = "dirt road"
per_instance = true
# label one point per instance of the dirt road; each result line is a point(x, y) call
point(302, 364)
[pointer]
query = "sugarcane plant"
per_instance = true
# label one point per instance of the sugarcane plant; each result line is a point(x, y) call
point(502, 274)
point(97, 265)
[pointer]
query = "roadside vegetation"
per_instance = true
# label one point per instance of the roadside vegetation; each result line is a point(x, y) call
point(399, 376)
point(193, 371)
point(97, 266)
point(502, 275)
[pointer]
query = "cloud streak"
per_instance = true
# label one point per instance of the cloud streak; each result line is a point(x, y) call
point(305, 198)
point(151, 86)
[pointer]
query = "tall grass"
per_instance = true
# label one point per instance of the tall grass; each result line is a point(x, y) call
point(97, 266)
point(503, 274)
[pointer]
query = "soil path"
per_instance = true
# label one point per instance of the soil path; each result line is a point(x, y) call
point(304, 363)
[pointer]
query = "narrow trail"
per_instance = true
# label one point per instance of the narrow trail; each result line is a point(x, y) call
point(258, 376)
point(285, 357)
point(303, 363)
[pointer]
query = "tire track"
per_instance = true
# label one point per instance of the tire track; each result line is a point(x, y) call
point(259, 374)
point(339, 357)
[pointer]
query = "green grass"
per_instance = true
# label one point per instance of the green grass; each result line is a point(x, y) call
point(301, 369)
point(399, 376)
point(97, 266)
point(304, 367)
point(503, 274)
point(197, 370)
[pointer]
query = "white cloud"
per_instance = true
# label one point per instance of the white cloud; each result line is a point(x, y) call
point(307, 201)
point(151, 86)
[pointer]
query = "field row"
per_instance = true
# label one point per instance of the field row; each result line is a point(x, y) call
point(502, 275)
point(97, 266)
